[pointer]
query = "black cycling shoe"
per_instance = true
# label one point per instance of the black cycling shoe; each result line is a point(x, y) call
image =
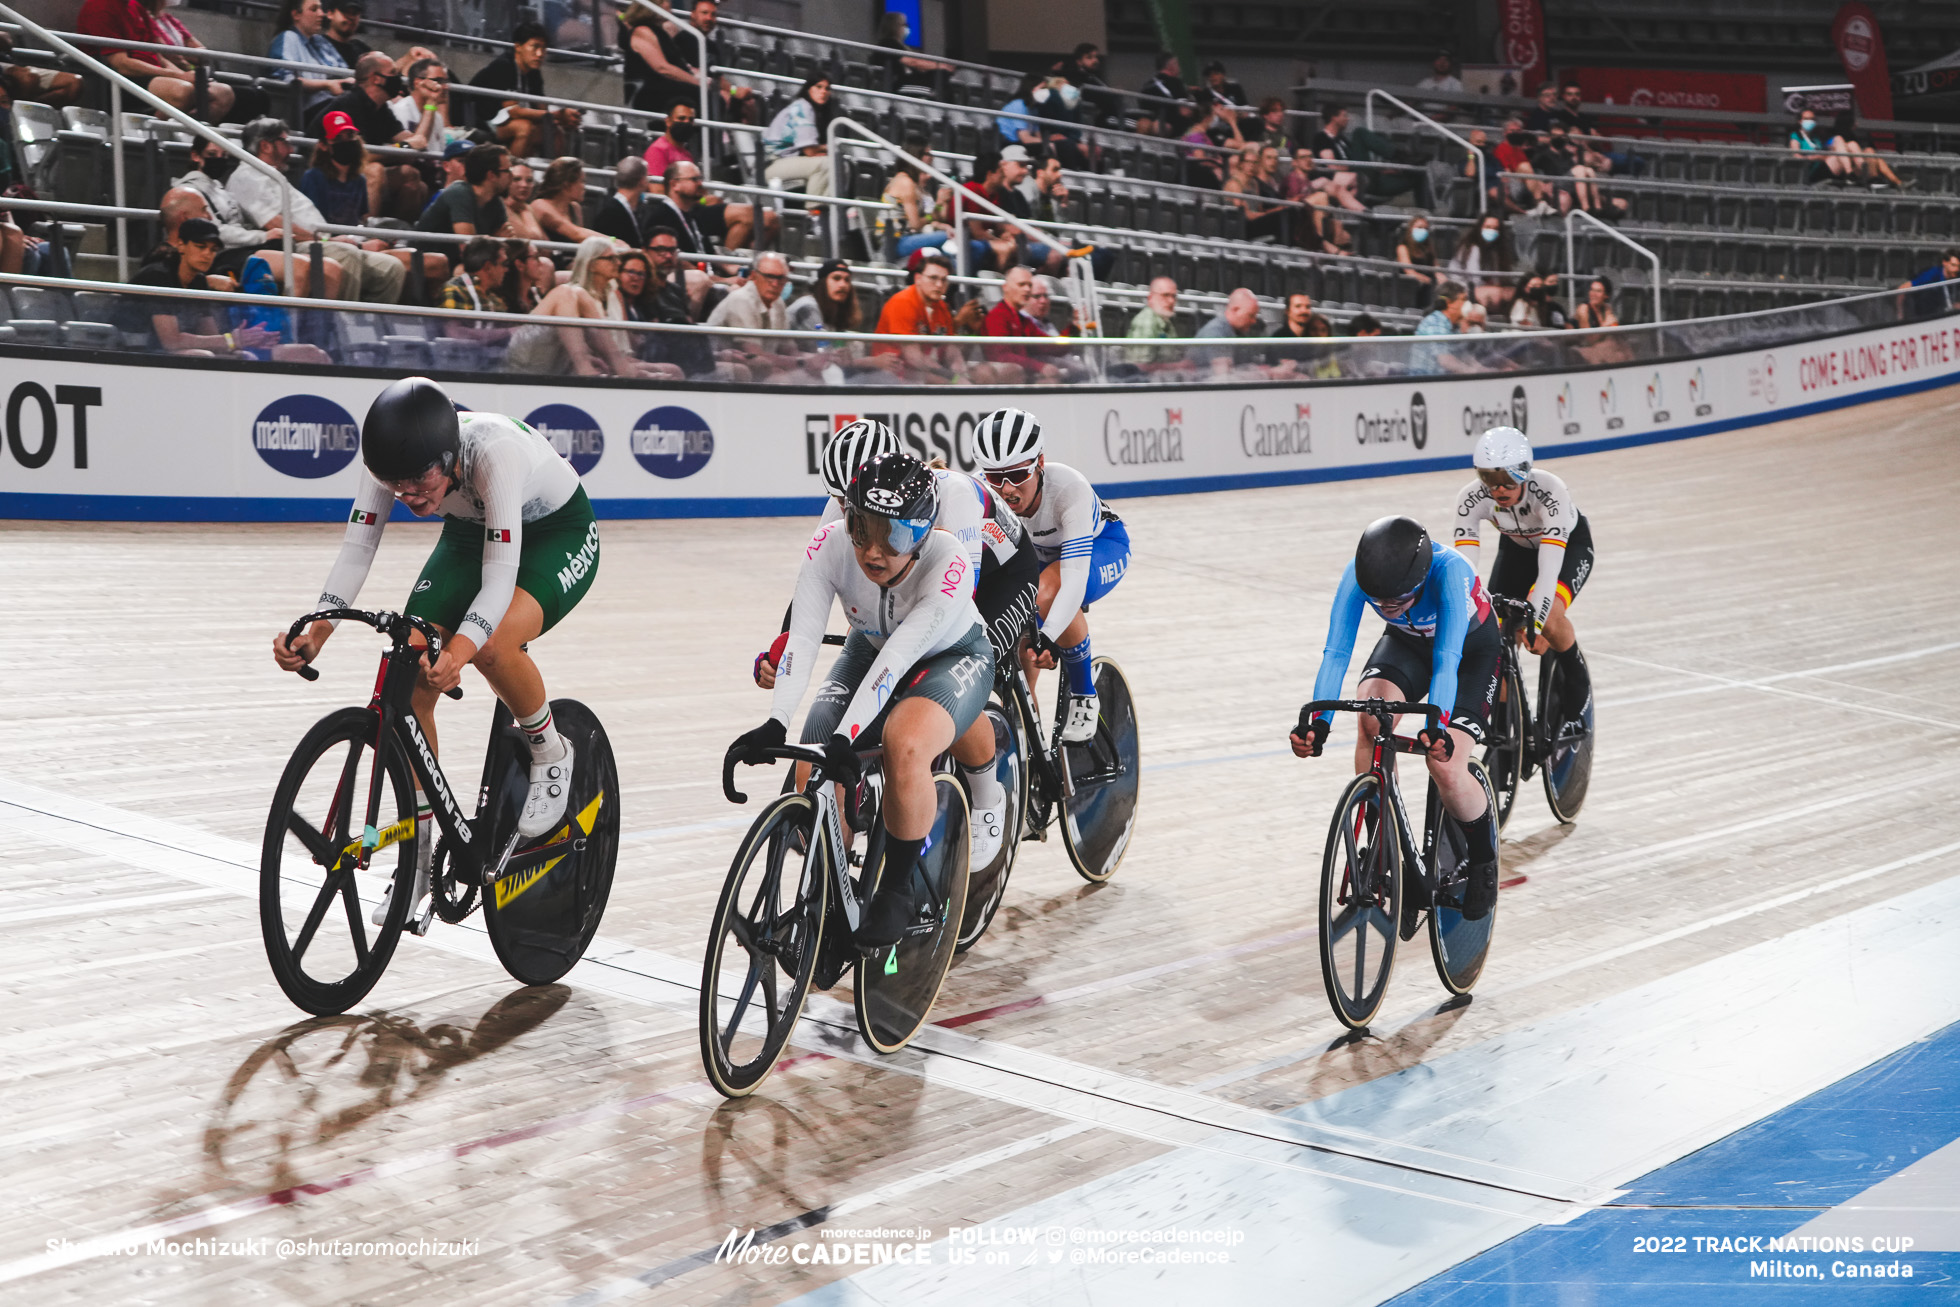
point(885, 918)
point(1415, 897)
point(1480, 895)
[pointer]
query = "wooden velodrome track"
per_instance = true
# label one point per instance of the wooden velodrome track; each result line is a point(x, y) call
point(1777, 665)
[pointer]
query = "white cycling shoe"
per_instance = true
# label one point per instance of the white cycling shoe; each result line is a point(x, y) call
point(988, 826)
point(551, 790)
point(380, 914)
point(1081, 725)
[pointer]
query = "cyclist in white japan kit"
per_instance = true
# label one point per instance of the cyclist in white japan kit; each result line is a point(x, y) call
point(1005, 570)
point(1544, 547)
point(914, 674)
point(1082, 545)
point(518, 550)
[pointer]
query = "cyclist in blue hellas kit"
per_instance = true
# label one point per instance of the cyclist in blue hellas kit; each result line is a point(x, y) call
point(1442, 641)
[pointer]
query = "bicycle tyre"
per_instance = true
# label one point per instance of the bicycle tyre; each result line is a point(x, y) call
point(1355, 990)
point(1459, 947)
point(987, 886)
point(541, 920)
point(286, 851)
point(1504, 753)
point(735, 1053)
point(1569, 744)
point(1099, 816)
point(895, 987)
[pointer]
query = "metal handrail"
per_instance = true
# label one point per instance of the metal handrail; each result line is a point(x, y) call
point(746, 25)
point(1571, 274)
point(118, 85)
point(1483, 196)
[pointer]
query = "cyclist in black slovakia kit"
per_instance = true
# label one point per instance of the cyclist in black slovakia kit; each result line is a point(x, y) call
point(519, 549)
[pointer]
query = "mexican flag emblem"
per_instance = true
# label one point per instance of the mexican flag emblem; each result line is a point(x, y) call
point(497, 535)
point(364, 519)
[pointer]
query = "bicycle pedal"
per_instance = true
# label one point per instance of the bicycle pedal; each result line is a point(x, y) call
point(420, 925)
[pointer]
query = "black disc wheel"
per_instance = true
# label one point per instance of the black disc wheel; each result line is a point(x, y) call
point(987, 885)
point(1360, 903)
point(763, 947)
point(1504, 751)
point(325, 866)
point(1457, 944)
point(541, 917)
point(1099, 780)
point(1568, 731)
point(897, 986)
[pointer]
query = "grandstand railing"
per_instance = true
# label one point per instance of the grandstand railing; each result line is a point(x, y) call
point(392, 337)
point(1483, 194)
point(701, 38)
point(1571, 266)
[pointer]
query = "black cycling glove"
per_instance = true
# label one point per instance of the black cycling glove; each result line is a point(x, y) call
point(841, 762)
point(750, 745)
point(1428, 736)
point(1312, 729)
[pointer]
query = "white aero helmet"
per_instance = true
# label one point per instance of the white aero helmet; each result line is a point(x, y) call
point(1005, 437)
point(1503, 457)
point(854, 445)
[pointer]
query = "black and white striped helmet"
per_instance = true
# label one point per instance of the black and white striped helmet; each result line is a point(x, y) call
point(1005, 437)
point(854, 445)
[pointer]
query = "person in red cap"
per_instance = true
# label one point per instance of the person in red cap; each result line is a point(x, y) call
point(397, 192)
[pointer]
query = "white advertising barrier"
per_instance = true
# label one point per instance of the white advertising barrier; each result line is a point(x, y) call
point(175, 441)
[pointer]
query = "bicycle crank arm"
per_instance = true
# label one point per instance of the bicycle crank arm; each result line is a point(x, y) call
point(543, 853)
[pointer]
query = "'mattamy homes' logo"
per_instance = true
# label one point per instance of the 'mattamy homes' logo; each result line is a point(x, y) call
point(1418, 421)
point(306, 436)
point(672, 442)
point(1520, 411)
point(572, 432)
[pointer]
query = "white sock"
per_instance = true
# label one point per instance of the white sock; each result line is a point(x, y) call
point(425, 834)
point(984, 786)
point(546, 744)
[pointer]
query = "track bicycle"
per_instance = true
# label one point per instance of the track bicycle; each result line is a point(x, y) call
point(347, 797)
point(1367, 901)
point(792, 902)
point(1554, 742)
point(1092, 786)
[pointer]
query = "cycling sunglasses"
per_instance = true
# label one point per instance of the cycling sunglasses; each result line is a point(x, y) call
point(1503, 478)
point(898, 535)
point(1014, 477)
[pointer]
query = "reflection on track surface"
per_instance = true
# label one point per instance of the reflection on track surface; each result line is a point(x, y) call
point(1756, 904)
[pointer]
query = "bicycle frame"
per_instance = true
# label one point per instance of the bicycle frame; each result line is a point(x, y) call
point(1382, 764)
point(829, 821)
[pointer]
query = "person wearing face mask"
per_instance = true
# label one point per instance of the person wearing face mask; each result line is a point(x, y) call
point(334, 179)
point(395, 192)
point(203, 188)
point(1484, 262)
point(1533, 306)
point(1057, 103)
point(1809, 138)
point(1417, 257)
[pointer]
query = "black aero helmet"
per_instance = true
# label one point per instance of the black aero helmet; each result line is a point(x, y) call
point(1392, 558)
point(894, 500)
point(410, 428)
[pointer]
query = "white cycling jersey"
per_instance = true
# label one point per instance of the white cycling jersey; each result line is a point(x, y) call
point(507, 475)
point(927, 610)
point(969, 512)
point(1544, 516)
point(1064, 526)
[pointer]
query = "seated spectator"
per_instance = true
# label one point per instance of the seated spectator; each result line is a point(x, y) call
point(1272, 125)
point(335, 178)
point(796, 140)
point(1006, 192)
point(192, 329)
point(478, 285)
point(1596, 310)
point(1417, 256)
point(1057, 106)
point(302, 39)
point(1237, 320)
point(370, 270)
point(211, 167)
point(758, 304)
point(170, 79)
point(831, 306)
point(397, 192)
point(525, 127)
point(1539, 118)
point(1247, 187)
point(1364, 324)
point(1013, 364)
point(1484, 262)
point(1226, 91)
point(1934, 291)
point(1300, 323)
point(1050, 206)
point(1828, 165)
point(899, 58)
point(920, 310)
point(1513, 153)
point(664, 62)
point(1156, 320)
point(702, 227)
point(1855, 148)
point(1583, 128)
point(1214, 128)
point(1102, 107)
point(675, 144)
point(1482, 153)
point(1532, 304)
point(1441, 78)
point(621, 215)
point(1160, 119)
point(58, 89)
point(343, 30)
point(1015, 121)
point(560, 203)
point(668, 295)
point(1557, 155)
point(1330, 146)
point(523, 190)
point(473, 206)
point(992, 244)
point(1476, 319)
point(735, 221)
point(920, 225)
point(562, 349)
point(530, 278)
point(1442, 320)
point(637, 295)
point(423, 111)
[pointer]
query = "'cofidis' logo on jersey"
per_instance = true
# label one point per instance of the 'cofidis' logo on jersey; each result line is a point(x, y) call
point(306, 436)
point(572, 432)
point(672, 442)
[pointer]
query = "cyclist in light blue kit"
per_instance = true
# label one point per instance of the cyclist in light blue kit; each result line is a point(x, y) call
point(1442, 641)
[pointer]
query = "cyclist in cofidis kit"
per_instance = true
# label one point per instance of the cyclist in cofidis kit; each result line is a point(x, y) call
point(1083, 548)
point(518, 550)
point(1544, 546)
point(1442, 642)
point(1004, 569)
point(914, 673)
